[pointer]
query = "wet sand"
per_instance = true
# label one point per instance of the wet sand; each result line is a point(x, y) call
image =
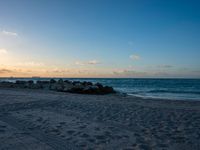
point(47, 120)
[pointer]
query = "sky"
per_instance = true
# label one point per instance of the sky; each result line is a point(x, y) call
point(100, 38)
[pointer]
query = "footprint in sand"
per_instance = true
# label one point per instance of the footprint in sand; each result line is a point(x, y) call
point(84, 135)
point(70, 132)
point(29, 115)
point(69, 138)
point(97, 128)
point(82, 127)
point(2, 126)
point(55, 130)
point(82, 145)
point(91, 140)
point(2, 130)
point(39, 119)
point(100, 137)
point(63, 136)
point(62, 123)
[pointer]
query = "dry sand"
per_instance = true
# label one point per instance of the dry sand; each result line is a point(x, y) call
point(46, 120)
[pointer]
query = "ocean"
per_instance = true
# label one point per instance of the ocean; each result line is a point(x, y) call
point(174, 89)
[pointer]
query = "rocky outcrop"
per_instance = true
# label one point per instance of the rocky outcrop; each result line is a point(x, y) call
point(62, 86)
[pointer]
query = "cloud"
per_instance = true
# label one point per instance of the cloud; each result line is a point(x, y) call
point(91, 62)
point(8, 33)
point(165, 66)
point(31, 63)
point(129, 73)
point(3, 51)
point(134, 57)
point(79, 63)
point(2, 71)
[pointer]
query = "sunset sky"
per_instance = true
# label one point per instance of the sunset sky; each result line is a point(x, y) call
point(100, 38)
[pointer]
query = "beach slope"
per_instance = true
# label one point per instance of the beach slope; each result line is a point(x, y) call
point(48, 120)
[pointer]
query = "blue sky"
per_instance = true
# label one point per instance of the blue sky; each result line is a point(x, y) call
point(100, 38)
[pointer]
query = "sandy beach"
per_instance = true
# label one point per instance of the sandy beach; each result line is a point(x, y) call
point(48, 120)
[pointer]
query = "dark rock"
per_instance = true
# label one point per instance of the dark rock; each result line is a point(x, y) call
point(20, 82)
point(62, 86)
point(60, 81)
point(75, 90)
point(76, 83)
point(30, 82)
point(43, 82)
point(92, 90)
point(87, 83)
point(84, 83)
point(107, 90)
point(42, 85)
point(52, 81)
point(57, 87)
point(99, 85)
point(6, 84)
point(68, 82)
point(67, 87)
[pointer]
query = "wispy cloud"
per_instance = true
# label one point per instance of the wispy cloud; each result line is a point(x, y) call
point(165, 66)
point(31, 63)
point(8, 33)
point(79, 63)
point(129, 73)
point(2, 71)
point(91, 62)
point(3, 51)
point(134, 57)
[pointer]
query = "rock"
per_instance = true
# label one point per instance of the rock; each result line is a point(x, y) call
point(76, 87)
point(87, 83)
point(99, 85)
point(107, 90)
point(56, 87)
point(91, 90)
point(52, 81)
point(76, 82)
point(67, 87)
point(67, 81)
point(35, 86)
point(20, 82)
point(79, 86)
point(42, 84)
point(30, 82)
point(60, 81)
point(6, 84)
point(62, 86)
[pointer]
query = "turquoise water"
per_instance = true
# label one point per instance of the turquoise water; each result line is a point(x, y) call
point(180, 89)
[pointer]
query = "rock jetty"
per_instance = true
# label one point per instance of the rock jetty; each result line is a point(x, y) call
point(61, 86)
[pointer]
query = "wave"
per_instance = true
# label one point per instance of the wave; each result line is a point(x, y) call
point(173, 91)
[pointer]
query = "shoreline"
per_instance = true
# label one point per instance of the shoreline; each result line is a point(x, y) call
point(160, 98)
